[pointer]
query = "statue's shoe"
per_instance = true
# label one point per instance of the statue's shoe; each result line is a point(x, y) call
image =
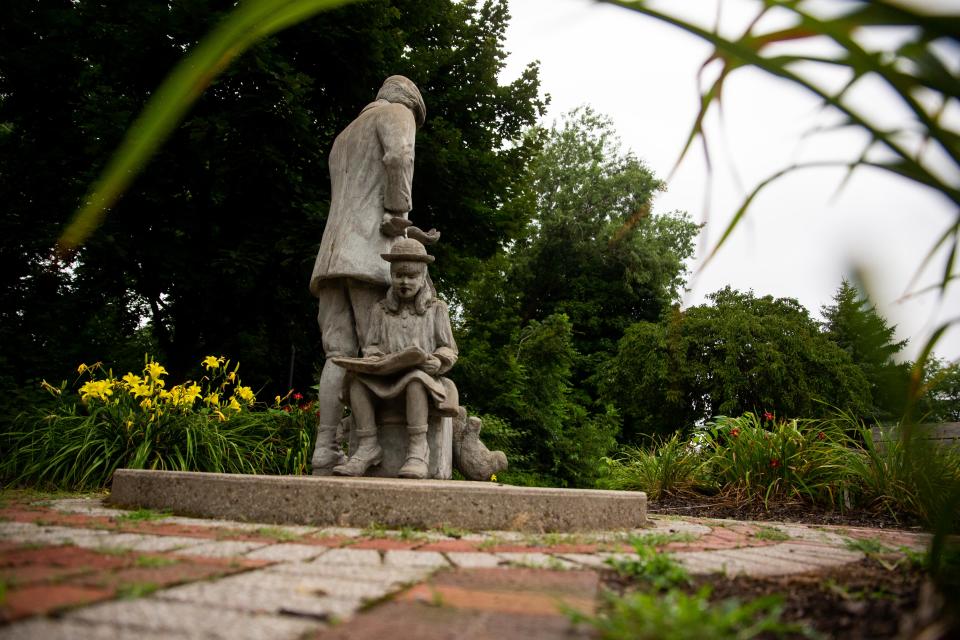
point(413, 468)
point(325, 459)
point(358, 464)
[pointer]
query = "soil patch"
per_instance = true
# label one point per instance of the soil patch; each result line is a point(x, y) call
point(859, 600)
point(799, 512)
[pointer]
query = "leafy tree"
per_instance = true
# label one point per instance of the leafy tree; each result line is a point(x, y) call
point(549, 422)
point(854, 324)
point(211, 249)
point(739, 353)
point(942, 384)
point(541, 317)
point(594, 251)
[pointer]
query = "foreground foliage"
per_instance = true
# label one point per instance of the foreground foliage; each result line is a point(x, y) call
point(136, 421)
point(832, 463)
point(675, 614)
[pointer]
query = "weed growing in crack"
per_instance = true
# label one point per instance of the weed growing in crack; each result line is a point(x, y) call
point(143, 515)
point(675, 614)
point(769, 533)
point(659, 570)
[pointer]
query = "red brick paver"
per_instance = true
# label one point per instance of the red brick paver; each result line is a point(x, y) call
point(480, 604)
point(36, 599)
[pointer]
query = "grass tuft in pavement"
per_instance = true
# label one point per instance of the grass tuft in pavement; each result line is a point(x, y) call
point(677, 615)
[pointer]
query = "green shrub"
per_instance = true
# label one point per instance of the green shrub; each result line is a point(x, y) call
point(778, 459)
point(669, 467)
point(905, 476)
point(214, 424)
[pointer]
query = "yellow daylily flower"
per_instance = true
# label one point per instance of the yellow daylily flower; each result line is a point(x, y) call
point(246, 393)
point(231, 376)
point(132, 381)
point(146, 404)
point(82, 368)
point(154, 370)
point(191, 393)
point(100, 389)
point(177, 395)
point(212, 362)
point(213, 399)
point(234, 405)
point(141, 390)
point(276, 401)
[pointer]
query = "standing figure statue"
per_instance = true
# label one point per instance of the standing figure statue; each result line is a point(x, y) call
point(409, 346)
point(371, 175)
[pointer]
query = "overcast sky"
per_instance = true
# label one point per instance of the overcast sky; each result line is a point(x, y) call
point(802, 235)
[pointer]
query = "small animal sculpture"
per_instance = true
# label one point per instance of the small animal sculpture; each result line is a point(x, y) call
point(470, 456)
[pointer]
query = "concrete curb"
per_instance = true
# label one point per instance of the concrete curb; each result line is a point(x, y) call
point(360, 502)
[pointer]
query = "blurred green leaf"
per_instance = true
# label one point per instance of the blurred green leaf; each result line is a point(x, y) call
point(249, 22)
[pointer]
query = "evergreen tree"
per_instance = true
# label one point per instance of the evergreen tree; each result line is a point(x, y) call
point(211, 249)
point(739, 353)
point(856, 327)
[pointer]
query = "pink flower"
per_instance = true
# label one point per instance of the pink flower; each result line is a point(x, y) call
point(774, 463)
point(298, 396)
point(821, 436)
point(767, 416)
point(735, 432)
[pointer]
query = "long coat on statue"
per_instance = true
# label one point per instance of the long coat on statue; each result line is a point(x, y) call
point(371, 174)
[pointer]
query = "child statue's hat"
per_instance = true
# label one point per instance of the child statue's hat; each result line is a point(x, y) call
point(407, 250)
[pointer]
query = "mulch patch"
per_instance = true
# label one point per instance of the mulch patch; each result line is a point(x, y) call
point(860, 600)
point(799, 512)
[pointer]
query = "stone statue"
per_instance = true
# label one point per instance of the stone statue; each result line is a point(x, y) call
point(371, 175)
point(409, 346)
point(376, 298)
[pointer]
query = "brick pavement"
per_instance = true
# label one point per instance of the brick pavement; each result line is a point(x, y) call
point(74, 568)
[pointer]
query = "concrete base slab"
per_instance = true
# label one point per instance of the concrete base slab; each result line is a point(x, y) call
point(394, 503)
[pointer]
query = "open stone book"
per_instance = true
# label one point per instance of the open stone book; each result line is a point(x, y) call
point(386, 364)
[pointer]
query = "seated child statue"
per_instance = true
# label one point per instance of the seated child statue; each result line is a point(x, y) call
point(408, 346)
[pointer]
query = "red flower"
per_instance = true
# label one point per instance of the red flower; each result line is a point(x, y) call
point(286, 408)
point(767, 416)
point(774, 463)
point(821, 436)
point(298, 396)
point(735, 432)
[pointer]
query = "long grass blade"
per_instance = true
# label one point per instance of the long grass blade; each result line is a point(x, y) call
point(245, 25)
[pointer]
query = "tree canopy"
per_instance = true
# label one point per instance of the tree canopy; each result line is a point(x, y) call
point(210, 250)
point(736, 354)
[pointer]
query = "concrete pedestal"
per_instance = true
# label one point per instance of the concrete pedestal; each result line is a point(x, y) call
point(394, 503)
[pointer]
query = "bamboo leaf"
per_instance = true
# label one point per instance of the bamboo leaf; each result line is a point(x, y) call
point(245, 25)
